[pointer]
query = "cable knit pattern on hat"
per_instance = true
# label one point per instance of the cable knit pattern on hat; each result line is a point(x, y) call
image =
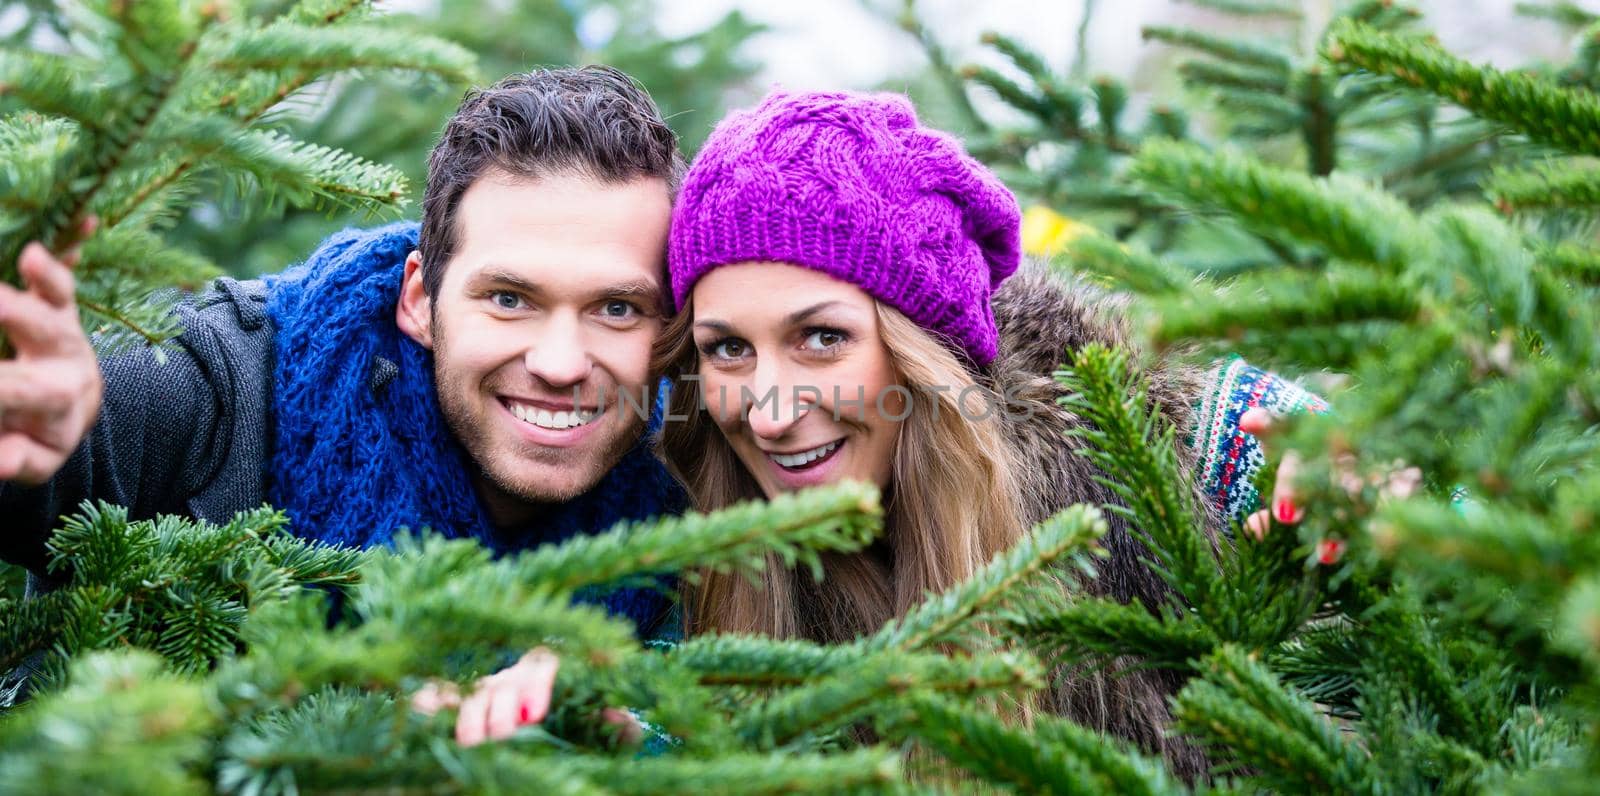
point(851, 185)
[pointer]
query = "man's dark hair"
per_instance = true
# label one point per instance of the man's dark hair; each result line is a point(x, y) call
point(593, 121)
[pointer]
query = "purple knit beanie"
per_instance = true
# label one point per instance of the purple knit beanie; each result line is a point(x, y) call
point(850, 185)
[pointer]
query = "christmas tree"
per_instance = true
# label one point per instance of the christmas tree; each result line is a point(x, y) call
point(1420, 246)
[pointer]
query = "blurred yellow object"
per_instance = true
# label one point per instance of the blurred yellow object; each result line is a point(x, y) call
point(1045, 232)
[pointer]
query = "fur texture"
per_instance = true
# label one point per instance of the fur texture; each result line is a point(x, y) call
point(1043, 315)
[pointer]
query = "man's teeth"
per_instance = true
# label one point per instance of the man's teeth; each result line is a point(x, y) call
point(558, 421)
point(804, 457)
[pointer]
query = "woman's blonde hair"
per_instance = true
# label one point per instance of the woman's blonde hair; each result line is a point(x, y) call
point(952, 503)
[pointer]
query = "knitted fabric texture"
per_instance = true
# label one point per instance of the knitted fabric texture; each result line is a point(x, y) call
point(361, 450)
point(1229, 456)
point(852, 186)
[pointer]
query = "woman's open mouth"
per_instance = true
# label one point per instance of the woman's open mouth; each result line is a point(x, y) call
point(806, 459)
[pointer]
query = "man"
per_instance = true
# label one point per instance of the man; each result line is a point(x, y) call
point(479, 375)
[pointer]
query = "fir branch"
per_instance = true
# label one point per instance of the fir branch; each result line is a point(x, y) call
point(943, 68)
point(30, 625)
point(1572, 261)
point(33, 152)
point(124, 133)
point(117, 329)
point(1252, 8)
point(1406, 651)
point(117, 260)
point(1104, 628)
point(1054, 756)
point(1563, 12)
point(1523, 552)
point(759, 661)
point(1125, 265)
point(325, 12)
point(1529, 104)
point(322, 50)
point(1065, 535)
point(54, 85)
point(1320, 121)
point(1030, 62)
point(797, 526)
point(1552, 184)
point(1237, 51)
point(451, 589)
point(1008, 90)
point(180, 587)
point(302, 170)
point(1345, 216)
point(1132, 445)
point(1111, 98)
point(248, 98)
point(867, 770)
point(1210, 74)
point(332, 740)
point(1441, 154)
point(1287, 303)
point(117, 707)
point(1247, 716)
point(836, 701)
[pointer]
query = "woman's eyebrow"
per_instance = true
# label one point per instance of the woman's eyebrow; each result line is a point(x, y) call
point(712, 324)
point(800, 316)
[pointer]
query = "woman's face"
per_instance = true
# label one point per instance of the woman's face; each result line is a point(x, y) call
point(795, 373)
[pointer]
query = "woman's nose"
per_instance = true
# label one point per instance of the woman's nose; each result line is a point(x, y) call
point(773, 404)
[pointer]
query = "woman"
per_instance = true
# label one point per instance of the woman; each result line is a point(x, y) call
point(848, 310)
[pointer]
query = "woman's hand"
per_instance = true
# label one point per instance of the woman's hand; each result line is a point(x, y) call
point(1399, 481)
point(1282, 503)
point(516, 695)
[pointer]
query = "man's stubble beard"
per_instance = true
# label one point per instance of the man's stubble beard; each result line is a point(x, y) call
point(460, 402)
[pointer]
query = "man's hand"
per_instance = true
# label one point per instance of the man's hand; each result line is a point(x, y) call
point(50, 390)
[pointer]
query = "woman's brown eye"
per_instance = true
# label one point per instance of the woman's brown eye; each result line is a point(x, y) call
point(823, 339)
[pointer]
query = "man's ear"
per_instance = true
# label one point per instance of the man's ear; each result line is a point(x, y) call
point(414, 313)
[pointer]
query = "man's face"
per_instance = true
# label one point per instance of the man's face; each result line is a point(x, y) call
point(541, 330)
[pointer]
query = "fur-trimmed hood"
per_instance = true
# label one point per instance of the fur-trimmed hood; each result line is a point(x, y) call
point(1042, 315)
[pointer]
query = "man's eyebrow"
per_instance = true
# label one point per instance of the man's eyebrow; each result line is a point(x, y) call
point(495, 275)
point(641, 289)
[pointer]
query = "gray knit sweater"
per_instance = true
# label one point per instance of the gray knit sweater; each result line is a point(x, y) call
point(190, 435)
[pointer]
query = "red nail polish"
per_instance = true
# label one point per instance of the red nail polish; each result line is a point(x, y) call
point(1285, 511)
point(523, 714)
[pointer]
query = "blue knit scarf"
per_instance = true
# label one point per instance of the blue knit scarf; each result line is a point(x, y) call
point(361, 450)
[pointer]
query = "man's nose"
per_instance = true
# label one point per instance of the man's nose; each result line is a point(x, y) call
point(559, 355)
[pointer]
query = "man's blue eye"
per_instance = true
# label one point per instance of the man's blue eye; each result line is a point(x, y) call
point(508, 301)
point(618, 309)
